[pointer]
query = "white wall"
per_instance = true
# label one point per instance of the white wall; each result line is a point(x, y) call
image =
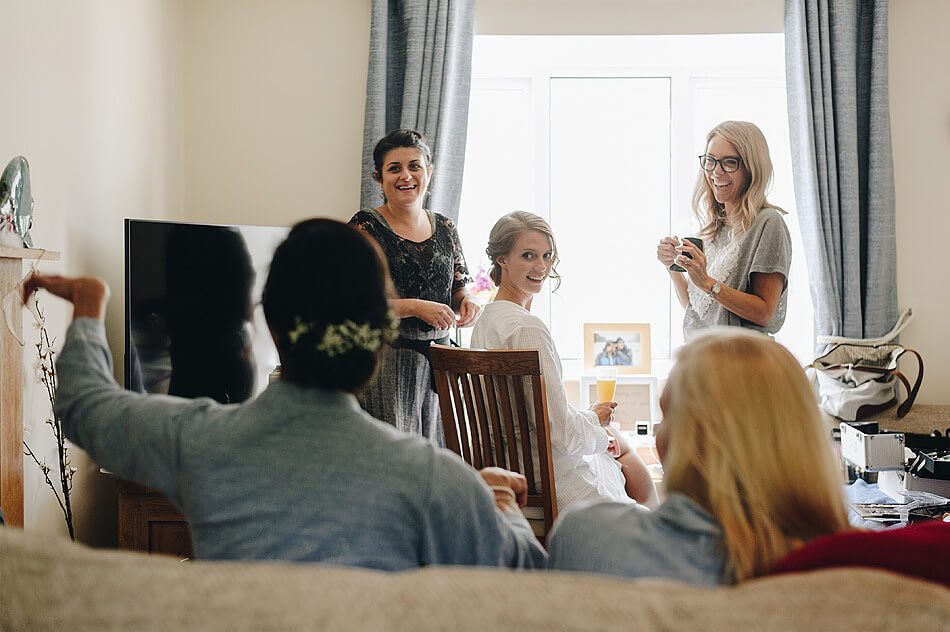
point(627, 17)
point(920, 130)
point(274, 98)
point(92, 96)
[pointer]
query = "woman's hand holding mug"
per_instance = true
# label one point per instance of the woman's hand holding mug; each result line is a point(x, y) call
point(666, 251)
point(694, 264)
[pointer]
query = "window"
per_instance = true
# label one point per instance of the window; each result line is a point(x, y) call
point(600, 136)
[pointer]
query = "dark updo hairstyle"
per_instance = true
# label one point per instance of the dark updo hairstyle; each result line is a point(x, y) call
point(394, 140)
point(354, 285)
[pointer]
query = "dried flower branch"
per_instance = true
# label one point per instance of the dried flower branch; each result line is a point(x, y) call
point(46, 370)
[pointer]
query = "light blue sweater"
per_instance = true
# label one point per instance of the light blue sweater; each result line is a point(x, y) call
point(679, 540)
point(296, 474)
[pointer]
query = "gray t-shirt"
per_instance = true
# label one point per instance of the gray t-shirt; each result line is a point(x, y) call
point(765, 247)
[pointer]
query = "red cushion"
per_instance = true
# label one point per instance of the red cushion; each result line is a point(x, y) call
point(919, 550)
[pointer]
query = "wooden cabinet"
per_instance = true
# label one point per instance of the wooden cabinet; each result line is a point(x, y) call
point(149, 523)
point(12, 381)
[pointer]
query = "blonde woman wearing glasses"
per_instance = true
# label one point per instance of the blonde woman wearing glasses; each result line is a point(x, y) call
point(740, 278)
point(747, 468)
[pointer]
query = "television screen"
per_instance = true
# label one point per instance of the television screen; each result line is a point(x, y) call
point(193, 322)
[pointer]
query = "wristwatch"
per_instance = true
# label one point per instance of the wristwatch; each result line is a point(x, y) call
point(716, 288)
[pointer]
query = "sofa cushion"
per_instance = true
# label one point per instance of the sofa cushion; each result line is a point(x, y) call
point(919, 550)
point(50, 583)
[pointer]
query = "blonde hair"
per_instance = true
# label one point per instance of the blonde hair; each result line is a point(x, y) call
point(504, 234)
point(749, 141)
point(748, 443)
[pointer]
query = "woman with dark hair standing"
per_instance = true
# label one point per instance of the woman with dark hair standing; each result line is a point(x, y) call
point(301, 473)
point(429, 272)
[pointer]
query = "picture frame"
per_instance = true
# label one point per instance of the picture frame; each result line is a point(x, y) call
point(637, 397)
point(625, 345)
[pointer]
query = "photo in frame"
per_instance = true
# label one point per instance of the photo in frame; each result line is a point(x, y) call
point(624, 345)
point(638, 407)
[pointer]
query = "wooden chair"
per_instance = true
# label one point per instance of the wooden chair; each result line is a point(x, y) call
point(487, 422)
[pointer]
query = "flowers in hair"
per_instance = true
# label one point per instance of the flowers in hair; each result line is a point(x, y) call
point(340, 338)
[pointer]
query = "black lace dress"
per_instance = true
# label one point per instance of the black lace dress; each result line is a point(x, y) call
point(401, 394)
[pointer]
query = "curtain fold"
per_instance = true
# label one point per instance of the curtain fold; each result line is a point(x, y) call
point(420, 69)
point(839, 126)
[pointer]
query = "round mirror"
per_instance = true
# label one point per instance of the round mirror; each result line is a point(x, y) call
point(16, 203)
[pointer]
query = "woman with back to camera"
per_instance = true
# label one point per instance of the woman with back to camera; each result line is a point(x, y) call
point(523, 253)
point(747, 467)
point(741, 276)
point(429, 272)
point(301, 473)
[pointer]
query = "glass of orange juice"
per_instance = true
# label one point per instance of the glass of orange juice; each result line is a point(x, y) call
point(606, 383)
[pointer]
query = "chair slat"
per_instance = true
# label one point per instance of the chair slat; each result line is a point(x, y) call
point(534, 484)
point(463, 430)
point(508, 423)
point(449, 426)
point(495, 422)
point(473, 423)
point(484, 421)
point(543, 426)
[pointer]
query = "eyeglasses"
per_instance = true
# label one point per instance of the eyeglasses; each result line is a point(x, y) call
point(728, 164)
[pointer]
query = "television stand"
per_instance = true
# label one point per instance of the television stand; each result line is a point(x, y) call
point(149, 523)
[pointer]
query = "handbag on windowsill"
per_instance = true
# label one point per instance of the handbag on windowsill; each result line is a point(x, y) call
point(858, 378)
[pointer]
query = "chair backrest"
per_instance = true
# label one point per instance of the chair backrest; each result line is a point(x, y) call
point(488, 420)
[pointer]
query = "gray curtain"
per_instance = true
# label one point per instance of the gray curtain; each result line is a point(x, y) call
point(420, 74)
point(836, 71)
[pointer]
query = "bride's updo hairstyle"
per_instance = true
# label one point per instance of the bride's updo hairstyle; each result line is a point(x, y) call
point(326, 301)
point(505, 233)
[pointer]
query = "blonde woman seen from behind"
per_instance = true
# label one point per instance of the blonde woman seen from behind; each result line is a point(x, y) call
point(740, 278)
point(748, 471)
point(590, 461)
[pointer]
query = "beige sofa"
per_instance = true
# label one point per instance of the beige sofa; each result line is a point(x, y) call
point(51, 584)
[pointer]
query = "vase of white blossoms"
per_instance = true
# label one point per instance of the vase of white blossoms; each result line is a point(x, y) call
point(59, 477)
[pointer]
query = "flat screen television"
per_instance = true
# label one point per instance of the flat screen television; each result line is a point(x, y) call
point(193, 322)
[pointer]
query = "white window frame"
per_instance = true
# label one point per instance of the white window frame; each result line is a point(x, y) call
point(557, 56)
